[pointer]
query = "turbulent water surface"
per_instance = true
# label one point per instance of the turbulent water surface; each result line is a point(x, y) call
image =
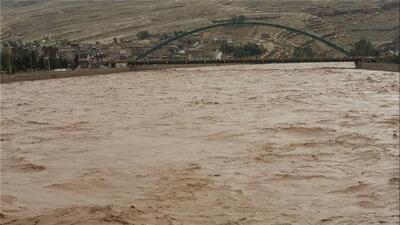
point(257, 145)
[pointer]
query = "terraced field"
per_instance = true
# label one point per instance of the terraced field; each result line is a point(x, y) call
point(100, 20)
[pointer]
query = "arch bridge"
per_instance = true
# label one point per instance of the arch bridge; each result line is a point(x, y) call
point(249, 23)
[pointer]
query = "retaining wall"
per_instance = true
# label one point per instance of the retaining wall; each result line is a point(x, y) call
point(378, 66)
point(42, 75)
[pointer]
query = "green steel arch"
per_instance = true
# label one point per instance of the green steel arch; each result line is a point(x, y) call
point(290, 29)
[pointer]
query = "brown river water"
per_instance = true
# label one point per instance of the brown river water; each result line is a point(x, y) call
point(284, 144)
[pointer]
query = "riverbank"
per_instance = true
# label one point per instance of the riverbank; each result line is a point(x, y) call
point(43, 75)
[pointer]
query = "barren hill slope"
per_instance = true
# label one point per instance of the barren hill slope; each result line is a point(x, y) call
point(101, 20)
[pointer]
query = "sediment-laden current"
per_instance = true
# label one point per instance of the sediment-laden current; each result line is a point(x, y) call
point(227, 145)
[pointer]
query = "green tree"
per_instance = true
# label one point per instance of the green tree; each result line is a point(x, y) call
point(42, 63)
point(76, 60)
point(250, 49)
point(20, 58)
point(25, 58)
point(305, 52)
point(34, 58)
point(4, 59)
point(364, 48)
point(226, 48)
point(143, 34)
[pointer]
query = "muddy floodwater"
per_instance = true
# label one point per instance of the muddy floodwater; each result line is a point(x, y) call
point(287, 144)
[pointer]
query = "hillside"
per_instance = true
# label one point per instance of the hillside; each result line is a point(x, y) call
point(102, 20)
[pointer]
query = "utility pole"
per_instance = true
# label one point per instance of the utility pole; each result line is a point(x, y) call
point(9, 60)
point(47, 54)
point(48, 62)
point(31, 60)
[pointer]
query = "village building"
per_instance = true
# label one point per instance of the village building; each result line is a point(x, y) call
point(121, 64)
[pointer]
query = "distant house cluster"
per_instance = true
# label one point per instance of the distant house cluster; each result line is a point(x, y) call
point(50, 53)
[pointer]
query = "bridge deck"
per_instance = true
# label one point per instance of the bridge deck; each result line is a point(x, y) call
point(239, 61)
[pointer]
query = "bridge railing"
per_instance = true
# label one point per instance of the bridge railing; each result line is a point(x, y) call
point(238, 61)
